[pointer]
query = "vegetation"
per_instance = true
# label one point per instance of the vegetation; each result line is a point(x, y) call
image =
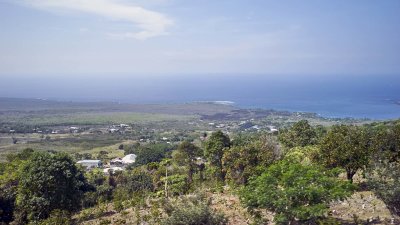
point(248, 156)
point(48, 182)
point(187, 154)
point(295, 191)
point(347, 147)
point(214, 151)
point(185, 174)
point(192, 212)
point(299, 135)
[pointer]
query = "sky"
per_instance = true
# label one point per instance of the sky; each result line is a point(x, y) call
point(75, 38)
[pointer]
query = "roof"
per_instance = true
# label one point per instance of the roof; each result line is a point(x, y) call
point(130, 158)
point(89, 161)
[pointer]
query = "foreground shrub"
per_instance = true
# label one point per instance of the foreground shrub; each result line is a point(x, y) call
point(49, 182)
point(295, 191)
point(193, 211)
point(384, 179)
point(57, 217)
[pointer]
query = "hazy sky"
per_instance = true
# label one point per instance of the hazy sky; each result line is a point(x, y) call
point(108, 37)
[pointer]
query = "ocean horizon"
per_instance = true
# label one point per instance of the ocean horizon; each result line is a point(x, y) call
point(374, 97)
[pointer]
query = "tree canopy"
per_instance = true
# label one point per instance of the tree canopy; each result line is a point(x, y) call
point(215, 146)
point(295, 191)
point(347, 147)
point(49, 182)
point(299, 135)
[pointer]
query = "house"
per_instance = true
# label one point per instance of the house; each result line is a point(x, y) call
point(113, 130)
point(128, 159)
point(89, 163)
point(74, 129)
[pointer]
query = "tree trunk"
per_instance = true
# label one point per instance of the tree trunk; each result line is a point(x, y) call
point(190, 174)
point(350, 174)
point(201, 169)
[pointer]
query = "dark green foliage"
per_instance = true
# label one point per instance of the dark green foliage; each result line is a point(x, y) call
point(295, 191)
point(99, 188)
point(57, 217)
point(49, 182)
point(299, 135)
point(7, 199)
point(9, 177)
point(131, 149)
point(386, 141)
point(139, 181)
point(193, 212)
point(215, 147)
point(248, 155)
point(347, 147)
point(186, 155)
point(383, 175)
point(151, 153)
point(24, 155)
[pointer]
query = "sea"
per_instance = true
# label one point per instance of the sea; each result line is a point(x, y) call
point(335, 96)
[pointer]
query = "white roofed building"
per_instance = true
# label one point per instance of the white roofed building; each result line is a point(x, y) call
point(128, 159)
point(90, 163)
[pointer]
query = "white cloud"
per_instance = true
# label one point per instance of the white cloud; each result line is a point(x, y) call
point(150, 23)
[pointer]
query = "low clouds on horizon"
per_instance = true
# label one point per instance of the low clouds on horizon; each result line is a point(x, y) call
point(150, 23)
point(170, 37)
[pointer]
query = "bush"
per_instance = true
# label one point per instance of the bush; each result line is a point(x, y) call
point(49, 182)
point(193, 212)
point(177, 184)
point(295, 191)
point(57, 217)
point(151, 153)
point(384, 179)
point(139, 181)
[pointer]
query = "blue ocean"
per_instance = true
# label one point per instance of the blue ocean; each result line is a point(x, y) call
point(357, 96)
point(371, 97)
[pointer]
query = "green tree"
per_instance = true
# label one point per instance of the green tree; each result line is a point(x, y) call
point(249, 155)
point(299, 135)
point(10, 172)
point(214, 151)
point(186, 154)
point(151, 153)
point(347, 147)
point(386, 141)
point(49, 182)
point(139, 181)
point(304, 155)
point(295, 191)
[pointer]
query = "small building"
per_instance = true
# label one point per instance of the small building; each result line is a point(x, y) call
point(128, 159)
point(90, 163)
point(113, 130)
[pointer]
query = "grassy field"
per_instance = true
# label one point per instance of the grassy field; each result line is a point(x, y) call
point(70, 143)
point(148, 121)
point(88, 118)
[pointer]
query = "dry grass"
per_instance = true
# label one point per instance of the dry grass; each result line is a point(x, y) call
point(363, 205)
